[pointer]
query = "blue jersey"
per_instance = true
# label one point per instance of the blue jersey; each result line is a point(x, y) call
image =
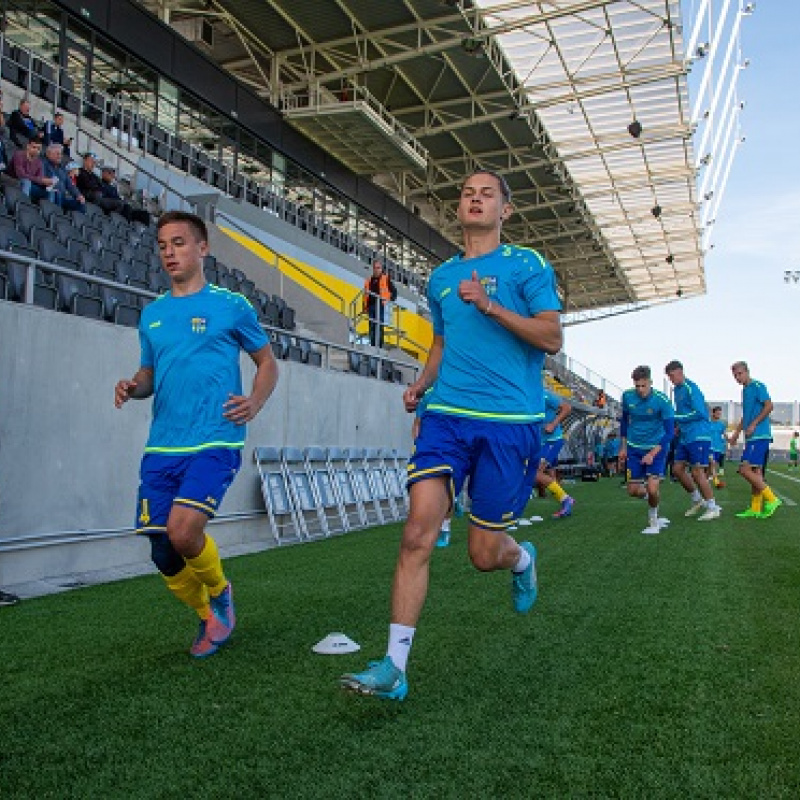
point(486, 371)
point(552, 402)
point(691, 413)
point(645, 419)
point(754, 396)
point(192, 345)
point(612, 447)
point(717, 428)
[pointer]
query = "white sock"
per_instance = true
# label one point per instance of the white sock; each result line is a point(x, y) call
point(400, 638)
point(696, 496)
point(712, 503)
point(524, 560)
point(446, 525)
point(653, 514)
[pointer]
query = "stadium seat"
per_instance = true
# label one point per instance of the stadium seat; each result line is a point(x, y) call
point(275, 490)
point(324, 483)
point(376, 471)
point(365, 488)
point(304, 495)
point(344, 483)
point(50, 211)
point(75, 296)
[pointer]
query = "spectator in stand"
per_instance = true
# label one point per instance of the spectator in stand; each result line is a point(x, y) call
point(27, 168)
point(66, 193)
point(601, 400)
point(111, 193)
point(378, 291)
point(3, 137)
point(22, 128)
point(54, 134)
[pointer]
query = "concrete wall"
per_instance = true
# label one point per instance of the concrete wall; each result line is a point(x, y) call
point(69, 460)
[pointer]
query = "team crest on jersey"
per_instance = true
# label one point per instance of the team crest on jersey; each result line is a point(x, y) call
point(489, 284)
point(198, 324)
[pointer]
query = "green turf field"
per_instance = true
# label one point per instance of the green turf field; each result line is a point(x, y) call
point(661, 666)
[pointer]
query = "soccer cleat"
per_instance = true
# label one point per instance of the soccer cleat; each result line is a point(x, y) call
point(524, 585)
point(202, 645)
point(458, 509)
point(566, 508)
point(380, 679)
point(223, 616)
point(695, 509)
point(748, 512)
point(770, 508)
point(710, 513)
point(662, 522)
point(443, 539)
point(652, 530)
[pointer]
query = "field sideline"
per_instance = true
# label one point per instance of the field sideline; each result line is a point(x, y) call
point(661, 666)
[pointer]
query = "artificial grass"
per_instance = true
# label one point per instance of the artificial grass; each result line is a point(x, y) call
point(662, 666)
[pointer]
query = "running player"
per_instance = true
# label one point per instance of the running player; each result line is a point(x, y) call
point(646, 429)
point(495, 313)
point(190, 342)
point(694, 443)
point(755, 422)
point(716, 461)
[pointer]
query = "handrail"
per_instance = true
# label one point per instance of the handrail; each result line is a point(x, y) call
point(30, 279)
point(281, 257)
point(395, 329)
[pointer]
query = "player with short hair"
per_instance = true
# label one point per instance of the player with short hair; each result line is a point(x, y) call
point(556, 410)
point(190, 341)
point(755, 422)
point(495, 313)
point(716, 460)
point(694, 443)
point(646, 429)
point(793, 450)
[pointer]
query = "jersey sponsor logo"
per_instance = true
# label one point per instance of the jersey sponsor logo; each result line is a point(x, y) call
point(199, 324)
point(489, 284)
point(156, 324)
point(445, 293)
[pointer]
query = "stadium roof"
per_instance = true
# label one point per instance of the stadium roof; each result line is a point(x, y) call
point(581, 104)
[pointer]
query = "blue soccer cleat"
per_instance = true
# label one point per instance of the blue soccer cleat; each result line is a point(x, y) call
point(202, 647)
point(223, 616)
point(380, 679)
point(443, 539)
point(566, 508)
point(524, 585)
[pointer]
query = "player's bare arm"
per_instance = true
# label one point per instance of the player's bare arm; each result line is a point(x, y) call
point(428, 376)
point(138, 387)
point(241, 409)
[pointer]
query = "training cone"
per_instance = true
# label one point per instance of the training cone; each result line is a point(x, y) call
point(334, 644)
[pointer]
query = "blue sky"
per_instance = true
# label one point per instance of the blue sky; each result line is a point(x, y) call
point(749, 312)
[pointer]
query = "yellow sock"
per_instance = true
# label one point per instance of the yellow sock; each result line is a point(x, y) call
point(755, 503)
point(768, 495)
point(189, 589)
point(208, 567)
point(556, 491)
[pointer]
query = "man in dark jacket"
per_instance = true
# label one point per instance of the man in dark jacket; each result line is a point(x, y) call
point(21, 127)
point(108, 178)
point(92, 188)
